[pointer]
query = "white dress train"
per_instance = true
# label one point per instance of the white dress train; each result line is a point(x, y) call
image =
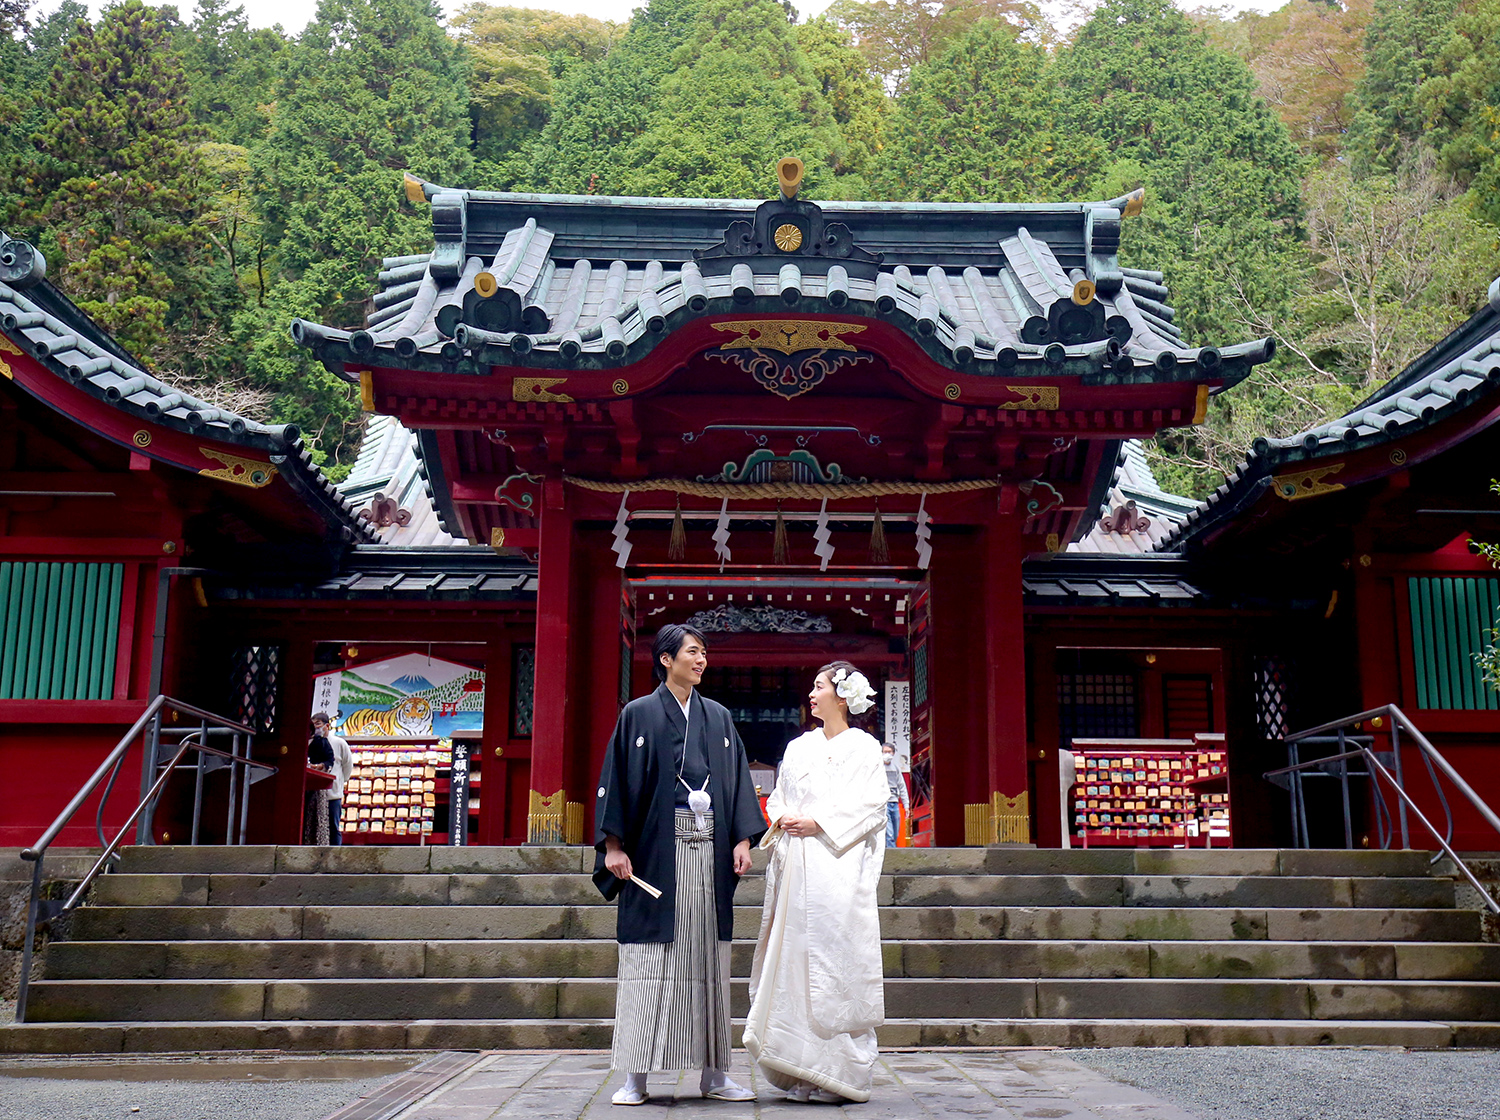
point(817, 988)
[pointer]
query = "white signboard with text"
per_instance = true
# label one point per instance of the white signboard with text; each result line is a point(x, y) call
point(898, 719)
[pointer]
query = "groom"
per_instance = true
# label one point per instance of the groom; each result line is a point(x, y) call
point(676, 815)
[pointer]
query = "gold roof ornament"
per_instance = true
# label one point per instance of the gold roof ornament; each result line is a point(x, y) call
point(789, 175)
point(1135, 202)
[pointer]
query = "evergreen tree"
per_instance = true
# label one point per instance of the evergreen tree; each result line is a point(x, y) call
point(1222, 175)
point(1222, 179)
point(115, 182)
point(740, 95)
point(231, 69)
point(983, 122)
point(1461, 104)
point(27, 61)
point(1402, 49)
point(373, 88)
point(896, 36)
point(860, 108)
point(600, 108)
point(516, 56)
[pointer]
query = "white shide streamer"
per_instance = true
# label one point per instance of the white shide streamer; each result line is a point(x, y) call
point(824, 547)
point(721, 535)
point(924, 534)
point(622, 546)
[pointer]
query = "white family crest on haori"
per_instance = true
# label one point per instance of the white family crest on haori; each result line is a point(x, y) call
point(817, 986)
point(855, 689)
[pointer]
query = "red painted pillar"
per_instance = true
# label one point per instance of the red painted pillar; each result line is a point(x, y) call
point(549, 732)
point(1005, 681)
point(492, 799)
point(957, 676)
point(289, 749)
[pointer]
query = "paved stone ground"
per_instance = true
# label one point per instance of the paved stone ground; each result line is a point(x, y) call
point(190, 1087)
point(1250, 1083)
point(996, 1085)
point(1312, 1083)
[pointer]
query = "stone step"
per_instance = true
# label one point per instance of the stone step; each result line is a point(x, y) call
point(278, 960)
point(594, 1034)
point(410, 860)
point(60, 864)
point(345, 889)
point(1058, 923)
point(581, 998)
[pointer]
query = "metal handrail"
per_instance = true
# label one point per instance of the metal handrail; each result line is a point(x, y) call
point(1377, 769)
point(39, 913)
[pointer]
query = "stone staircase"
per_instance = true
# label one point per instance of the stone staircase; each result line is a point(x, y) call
point(492, 948)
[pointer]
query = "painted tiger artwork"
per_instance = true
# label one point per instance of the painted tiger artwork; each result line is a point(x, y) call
point(413, 716)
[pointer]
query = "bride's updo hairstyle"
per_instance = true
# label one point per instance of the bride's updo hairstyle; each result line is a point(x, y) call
point(866, 719)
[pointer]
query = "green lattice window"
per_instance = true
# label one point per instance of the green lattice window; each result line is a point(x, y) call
point(59, 626)
point(1450, 620)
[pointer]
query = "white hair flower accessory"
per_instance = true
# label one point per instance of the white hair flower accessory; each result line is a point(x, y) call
point(855, 690)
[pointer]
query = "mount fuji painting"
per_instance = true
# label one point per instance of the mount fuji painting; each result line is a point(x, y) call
point(413, 695)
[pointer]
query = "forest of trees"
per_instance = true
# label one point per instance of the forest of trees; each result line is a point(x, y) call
point(1328, 173)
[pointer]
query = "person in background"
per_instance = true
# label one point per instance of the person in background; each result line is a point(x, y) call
point(900, 798)
point(343, 767)
point(315, 805)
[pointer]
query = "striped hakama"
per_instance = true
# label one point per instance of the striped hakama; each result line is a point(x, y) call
point(672, 1000)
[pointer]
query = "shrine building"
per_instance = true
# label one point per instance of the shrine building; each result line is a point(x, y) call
point(816, 431)
point(903, 434)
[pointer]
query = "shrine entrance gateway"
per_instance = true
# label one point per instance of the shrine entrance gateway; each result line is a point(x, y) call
point(771, 399)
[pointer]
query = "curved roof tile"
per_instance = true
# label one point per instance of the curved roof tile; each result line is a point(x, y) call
point(585, 282)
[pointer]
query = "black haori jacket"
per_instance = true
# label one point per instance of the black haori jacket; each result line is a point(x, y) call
point(637, 801)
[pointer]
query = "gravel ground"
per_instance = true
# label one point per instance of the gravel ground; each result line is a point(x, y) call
point(302, 1088)
point(1306, 1083)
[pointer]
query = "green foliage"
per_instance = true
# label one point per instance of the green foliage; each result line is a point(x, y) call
point(1401, 53)
point(231, 69)
point(600, 108)
point(1222, 175)
point(28, 61)
point(516, 55)
point(740, 94)
point(1306, 57)
point(860, 108)
point(1460, 102)
point(372, 88)
point(895, 36)
point(984, 122)
point(116, 178)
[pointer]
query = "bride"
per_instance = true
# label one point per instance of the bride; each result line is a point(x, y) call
point(816, 987)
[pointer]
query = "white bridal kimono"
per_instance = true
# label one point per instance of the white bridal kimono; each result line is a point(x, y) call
point(817, 988)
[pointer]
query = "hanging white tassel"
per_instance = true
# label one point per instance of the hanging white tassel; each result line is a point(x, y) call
point(721, 535)
point(924, 534)
point(622, 546)
point(824, 547)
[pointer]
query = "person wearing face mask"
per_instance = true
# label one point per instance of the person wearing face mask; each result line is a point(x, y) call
point(899, 799)
point(676, 815)
point(817, 989)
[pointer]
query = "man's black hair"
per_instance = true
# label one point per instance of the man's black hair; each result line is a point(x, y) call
point(669, 640)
